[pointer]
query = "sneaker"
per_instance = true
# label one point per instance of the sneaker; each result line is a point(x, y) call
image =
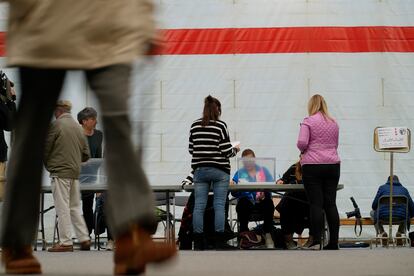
point(110, 245)
point(400, 239)
point(269, 241)
point(291, 245)
point(384, 239)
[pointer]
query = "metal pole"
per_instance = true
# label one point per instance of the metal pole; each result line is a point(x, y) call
point(391, 183)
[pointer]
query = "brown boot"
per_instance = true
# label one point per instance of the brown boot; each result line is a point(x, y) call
point(135, 249)
point(85, 246)
point(20, 261)
point(61, 248)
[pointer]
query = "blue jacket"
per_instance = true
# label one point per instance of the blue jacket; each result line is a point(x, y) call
point(242, 173)
point(398, 210)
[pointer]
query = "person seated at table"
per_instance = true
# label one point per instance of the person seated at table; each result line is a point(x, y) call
point(254, 202)
point(293, 207)
point(398, 211)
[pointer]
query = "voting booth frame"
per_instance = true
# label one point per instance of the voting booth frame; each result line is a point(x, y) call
point(403, 148)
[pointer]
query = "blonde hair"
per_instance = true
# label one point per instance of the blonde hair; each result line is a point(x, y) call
point(318, 104)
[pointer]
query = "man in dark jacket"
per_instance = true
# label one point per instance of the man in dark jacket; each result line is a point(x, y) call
point(398, 211)
point(87, 118)
point(7, 111)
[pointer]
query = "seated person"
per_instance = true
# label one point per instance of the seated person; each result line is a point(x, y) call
point(398, 211)
point(293, 209)
point(254, 202)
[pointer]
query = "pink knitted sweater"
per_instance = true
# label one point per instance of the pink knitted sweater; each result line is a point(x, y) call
point(318, 140)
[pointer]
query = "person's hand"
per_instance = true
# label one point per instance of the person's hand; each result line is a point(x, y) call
point(260, 196)
point(232, 182)
point(279, 182)
point(237, 148)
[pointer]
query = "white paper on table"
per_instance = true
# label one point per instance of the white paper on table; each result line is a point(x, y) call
point(235, 144)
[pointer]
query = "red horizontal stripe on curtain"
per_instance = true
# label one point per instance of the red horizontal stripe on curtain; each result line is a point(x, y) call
point(287, 40)
point(281, 40)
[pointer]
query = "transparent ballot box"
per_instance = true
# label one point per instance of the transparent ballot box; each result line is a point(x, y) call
point(93, 172)
point(255, 170)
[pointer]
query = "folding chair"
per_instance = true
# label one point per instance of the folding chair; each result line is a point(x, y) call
point(384, 201)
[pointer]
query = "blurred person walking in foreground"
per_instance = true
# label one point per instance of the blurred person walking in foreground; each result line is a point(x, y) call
point(101, 37)
point(66, 149)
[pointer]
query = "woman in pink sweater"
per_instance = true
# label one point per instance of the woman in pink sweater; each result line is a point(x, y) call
point(318, 144)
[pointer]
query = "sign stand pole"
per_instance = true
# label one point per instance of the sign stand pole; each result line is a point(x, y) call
point(391, 193)
point(392, 139)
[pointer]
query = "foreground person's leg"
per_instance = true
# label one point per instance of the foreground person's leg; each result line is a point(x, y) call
point(130, 205)
point(40, 90)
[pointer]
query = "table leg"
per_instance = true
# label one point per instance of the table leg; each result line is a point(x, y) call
point(42, 221)
point(168, 219)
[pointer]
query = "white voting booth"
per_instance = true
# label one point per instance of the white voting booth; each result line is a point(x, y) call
point(93, 172)
point(392, 140)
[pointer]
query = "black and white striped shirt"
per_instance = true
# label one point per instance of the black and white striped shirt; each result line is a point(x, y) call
point(210, 145)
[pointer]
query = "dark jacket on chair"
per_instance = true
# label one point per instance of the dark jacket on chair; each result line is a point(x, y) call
point(398, 210)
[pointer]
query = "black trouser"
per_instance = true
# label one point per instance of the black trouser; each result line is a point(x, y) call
point(245, 208)
point(87, 209)
point(100, 207)
point(321, 182)
point(294, 213)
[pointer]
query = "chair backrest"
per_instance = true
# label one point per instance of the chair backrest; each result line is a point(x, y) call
point(397, 201)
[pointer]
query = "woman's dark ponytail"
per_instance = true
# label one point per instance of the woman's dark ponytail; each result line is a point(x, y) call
point(212, 110)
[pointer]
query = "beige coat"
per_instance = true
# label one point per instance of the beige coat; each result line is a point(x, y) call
point(78, 34)
point(66, 148)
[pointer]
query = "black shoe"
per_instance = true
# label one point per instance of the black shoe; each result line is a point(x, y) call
point(333, 246)
point(199, 242)
point(221, 242)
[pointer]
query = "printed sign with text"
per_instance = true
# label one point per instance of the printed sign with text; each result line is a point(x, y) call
point(392, 137)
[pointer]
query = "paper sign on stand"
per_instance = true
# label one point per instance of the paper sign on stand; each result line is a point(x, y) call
point(392, 137)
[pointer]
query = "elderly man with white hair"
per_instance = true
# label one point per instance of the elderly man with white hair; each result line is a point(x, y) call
point(66, 149)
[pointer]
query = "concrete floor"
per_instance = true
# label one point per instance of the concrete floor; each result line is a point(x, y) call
point(364, 262)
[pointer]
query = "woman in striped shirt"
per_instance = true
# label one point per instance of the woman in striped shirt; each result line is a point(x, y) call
point(210, 147)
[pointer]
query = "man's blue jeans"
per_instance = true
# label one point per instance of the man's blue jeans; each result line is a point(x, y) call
point(219, 180)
